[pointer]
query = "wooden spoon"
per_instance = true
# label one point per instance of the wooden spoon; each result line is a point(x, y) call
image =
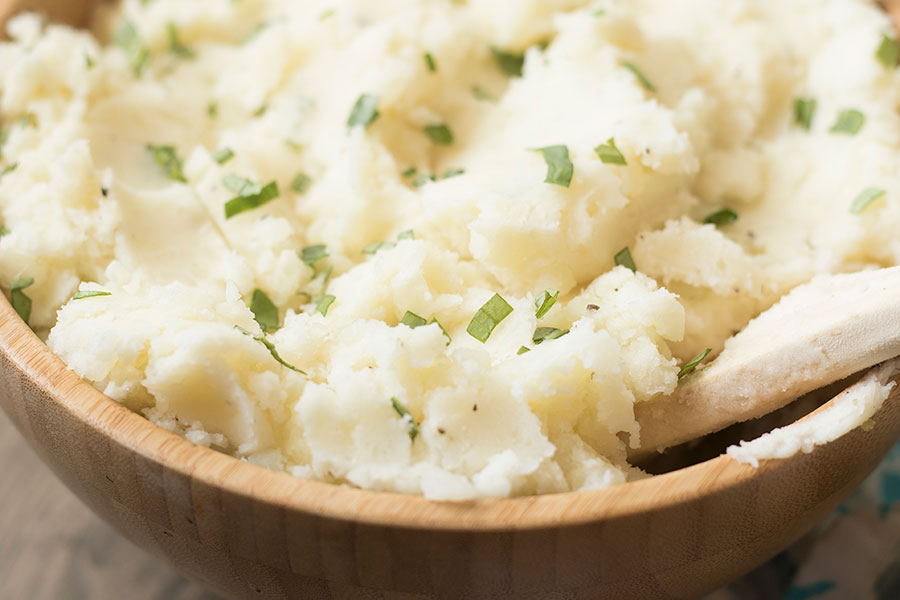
point(819, 333)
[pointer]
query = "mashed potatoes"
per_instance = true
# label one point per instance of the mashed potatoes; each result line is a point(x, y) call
point(281, 228)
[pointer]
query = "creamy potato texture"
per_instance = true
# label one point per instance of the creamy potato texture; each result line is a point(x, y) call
point(418, 124)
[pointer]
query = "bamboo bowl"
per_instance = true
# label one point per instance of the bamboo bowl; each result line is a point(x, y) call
point(248, 532)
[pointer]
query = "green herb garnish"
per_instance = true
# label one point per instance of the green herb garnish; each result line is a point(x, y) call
point(176, 47)
point(509, 63)
point(313, 254)
point(408, 234)
point(523, 350)
point(609, 153)
point(689, 368)
point(559, 167)
point(888, 52)
point(412, 426)
point(223, 155)
point(488, 317)
point(422, 179)
point(865, 198)
point(444, 331)
point(9, 169)
point(639, 75)
point(721, 217)
point(364, 112)
point(264, 311)
point(623, 258)
point(452, 172)
point(128, 39)
point(212, 110)
point(20, 302)
point(324, 303)
point(270, 347)
point(849, 121)
point(482, 94)
point(543, 334)
point(545, 302)
point(440, 134)
point(167, 159)
point(250, 194)
point(412, 320)
point(301, 183)
point(410, 172)
point(804, 109)
point(81, 295)
point(430, 63)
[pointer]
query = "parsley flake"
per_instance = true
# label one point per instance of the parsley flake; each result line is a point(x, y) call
point(543, 334)
point(264, 311)
point(509, 63)
point(689, 368)
point(849, 121)
point(127, 38)
point(324, 303)
point(482, 94)
point(559, 167)
point(223, 155)
point(411, 426)
point(429, 62)
point(82, 294)
point(364, 112)
point(312, 254)
point(176, 47)
point(888, 53)
point(721, 217)
point(523, 350)
point(412, 320)
point(488, 317)
point(440, 134)
point(545, 302)
point(271, 348)
point(609, 153)
point(642, 79)
point(167, 159)
point(444, 331)
point(865, 198)
point(250, 194)
point(623, 258)
point(804, 109)
point(301, 183)
point(20, 302)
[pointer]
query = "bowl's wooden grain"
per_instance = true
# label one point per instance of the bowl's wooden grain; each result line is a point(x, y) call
point(249, 532)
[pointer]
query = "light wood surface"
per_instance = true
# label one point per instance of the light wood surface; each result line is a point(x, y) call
point(251, 533)
point(821, 332)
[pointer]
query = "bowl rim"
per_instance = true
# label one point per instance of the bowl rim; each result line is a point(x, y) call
point(27, 353)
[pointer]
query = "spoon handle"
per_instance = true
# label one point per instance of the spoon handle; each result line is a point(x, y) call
point(819, 333)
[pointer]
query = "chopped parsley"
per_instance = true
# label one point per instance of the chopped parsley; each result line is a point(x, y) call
point(849, 121)
point(408, 234)
point(167, 159)
point(364, 112)
point(20, 302)
point(559, 167)
point(888, 53)
point(488, 317)
point(9, 169)
point(523, 350)
point(865, 198)
point(212, 110)
point(4, 230)
point(609, 153)
point(176, 47)
point(312, 254)
point(642, 79)
point(509, 63)
point(264, 311)
point(543, 334)
point(412, 320)
point(689, 368)
point(482, 94)
point(721, 217)
point(301, 183)
point(223, 155)
point(374, 247)
point(410, 172)
point(444, 331)
point(429, 62)
point(81, 295)
point(440, 134)
point(804, 109)
point(422, 179)
point(127, 38)
point(452, 172)
point(623, 258)
point(545, 302)
point(411, 424)
point(250, 194)
point(270, 347)
point(324, 303)
point(88, 61)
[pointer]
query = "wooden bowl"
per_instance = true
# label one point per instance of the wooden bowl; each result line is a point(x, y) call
point(248, 532)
